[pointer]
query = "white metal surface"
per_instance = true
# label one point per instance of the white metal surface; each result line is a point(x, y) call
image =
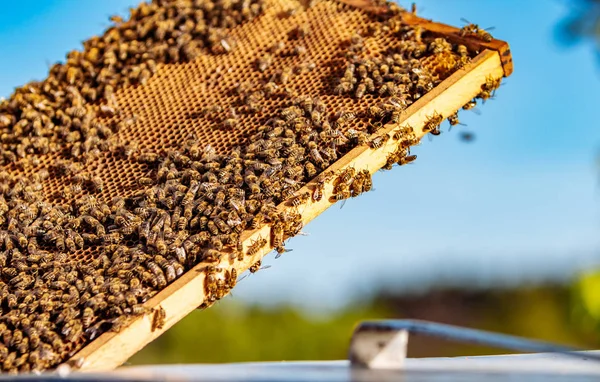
point(528, 367)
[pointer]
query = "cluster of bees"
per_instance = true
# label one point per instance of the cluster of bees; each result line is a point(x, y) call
point(194, 204)
point(57, 113)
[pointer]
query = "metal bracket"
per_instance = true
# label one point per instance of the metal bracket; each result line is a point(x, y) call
point(382, 344)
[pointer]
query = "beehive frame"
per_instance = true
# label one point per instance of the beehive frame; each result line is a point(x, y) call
point(185, 294)
point(444, 74)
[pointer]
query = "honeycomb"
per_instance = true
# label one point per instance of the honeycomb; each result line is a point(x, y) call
point(324, 44)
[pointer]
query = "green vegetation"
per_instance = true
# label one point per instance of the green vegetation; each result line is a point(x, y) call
point(233, 332)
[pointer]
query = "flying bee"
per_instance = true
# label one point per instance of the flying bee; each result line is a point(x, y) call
point(467, 136)
point(158, 319)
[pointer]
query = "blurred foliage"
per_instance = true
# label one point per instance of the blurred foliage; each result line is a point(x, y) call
point(587, 301)
point(582, 24)
point(234, 332)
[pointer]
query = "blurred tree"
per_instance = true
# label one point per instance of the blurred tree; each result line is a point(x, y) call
point(582, 25)
point(232, 332)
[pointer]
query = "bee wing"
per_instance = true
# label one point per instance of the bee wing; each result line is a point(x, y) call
point(237, 204)
point(465, 20)
point(278, 255)
point(343, 203)
point(234, 222)
point(209, 152)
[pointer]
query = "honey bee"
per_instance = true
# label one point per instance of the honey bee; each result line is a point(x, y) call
point(341, 191)
point(488, 89)
point(144, 181)
point(299, 199)
point(277, 232)
point(158, 319)
point(470, 105)
point(300, 31)
point(453, 120)
point(317, 193)
point(258, 266)
point(97, 183)
point(264, 62)
point(484, 34)
point(310, 170)
point(378, 141)
point(473, 30)
point(406, 159)
point(87, 317)
point(462, 50)
point(345, 175)
point(256, 245)
point(118, 323)
point(281, 250)
point(285, 75)
point(491, 83)
point(361, 89)
point(433, 123)
point(299, 50)
point(211, 256)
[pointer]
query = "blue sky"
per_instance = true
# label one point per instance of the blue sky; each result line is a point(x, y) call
point(518, 205)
